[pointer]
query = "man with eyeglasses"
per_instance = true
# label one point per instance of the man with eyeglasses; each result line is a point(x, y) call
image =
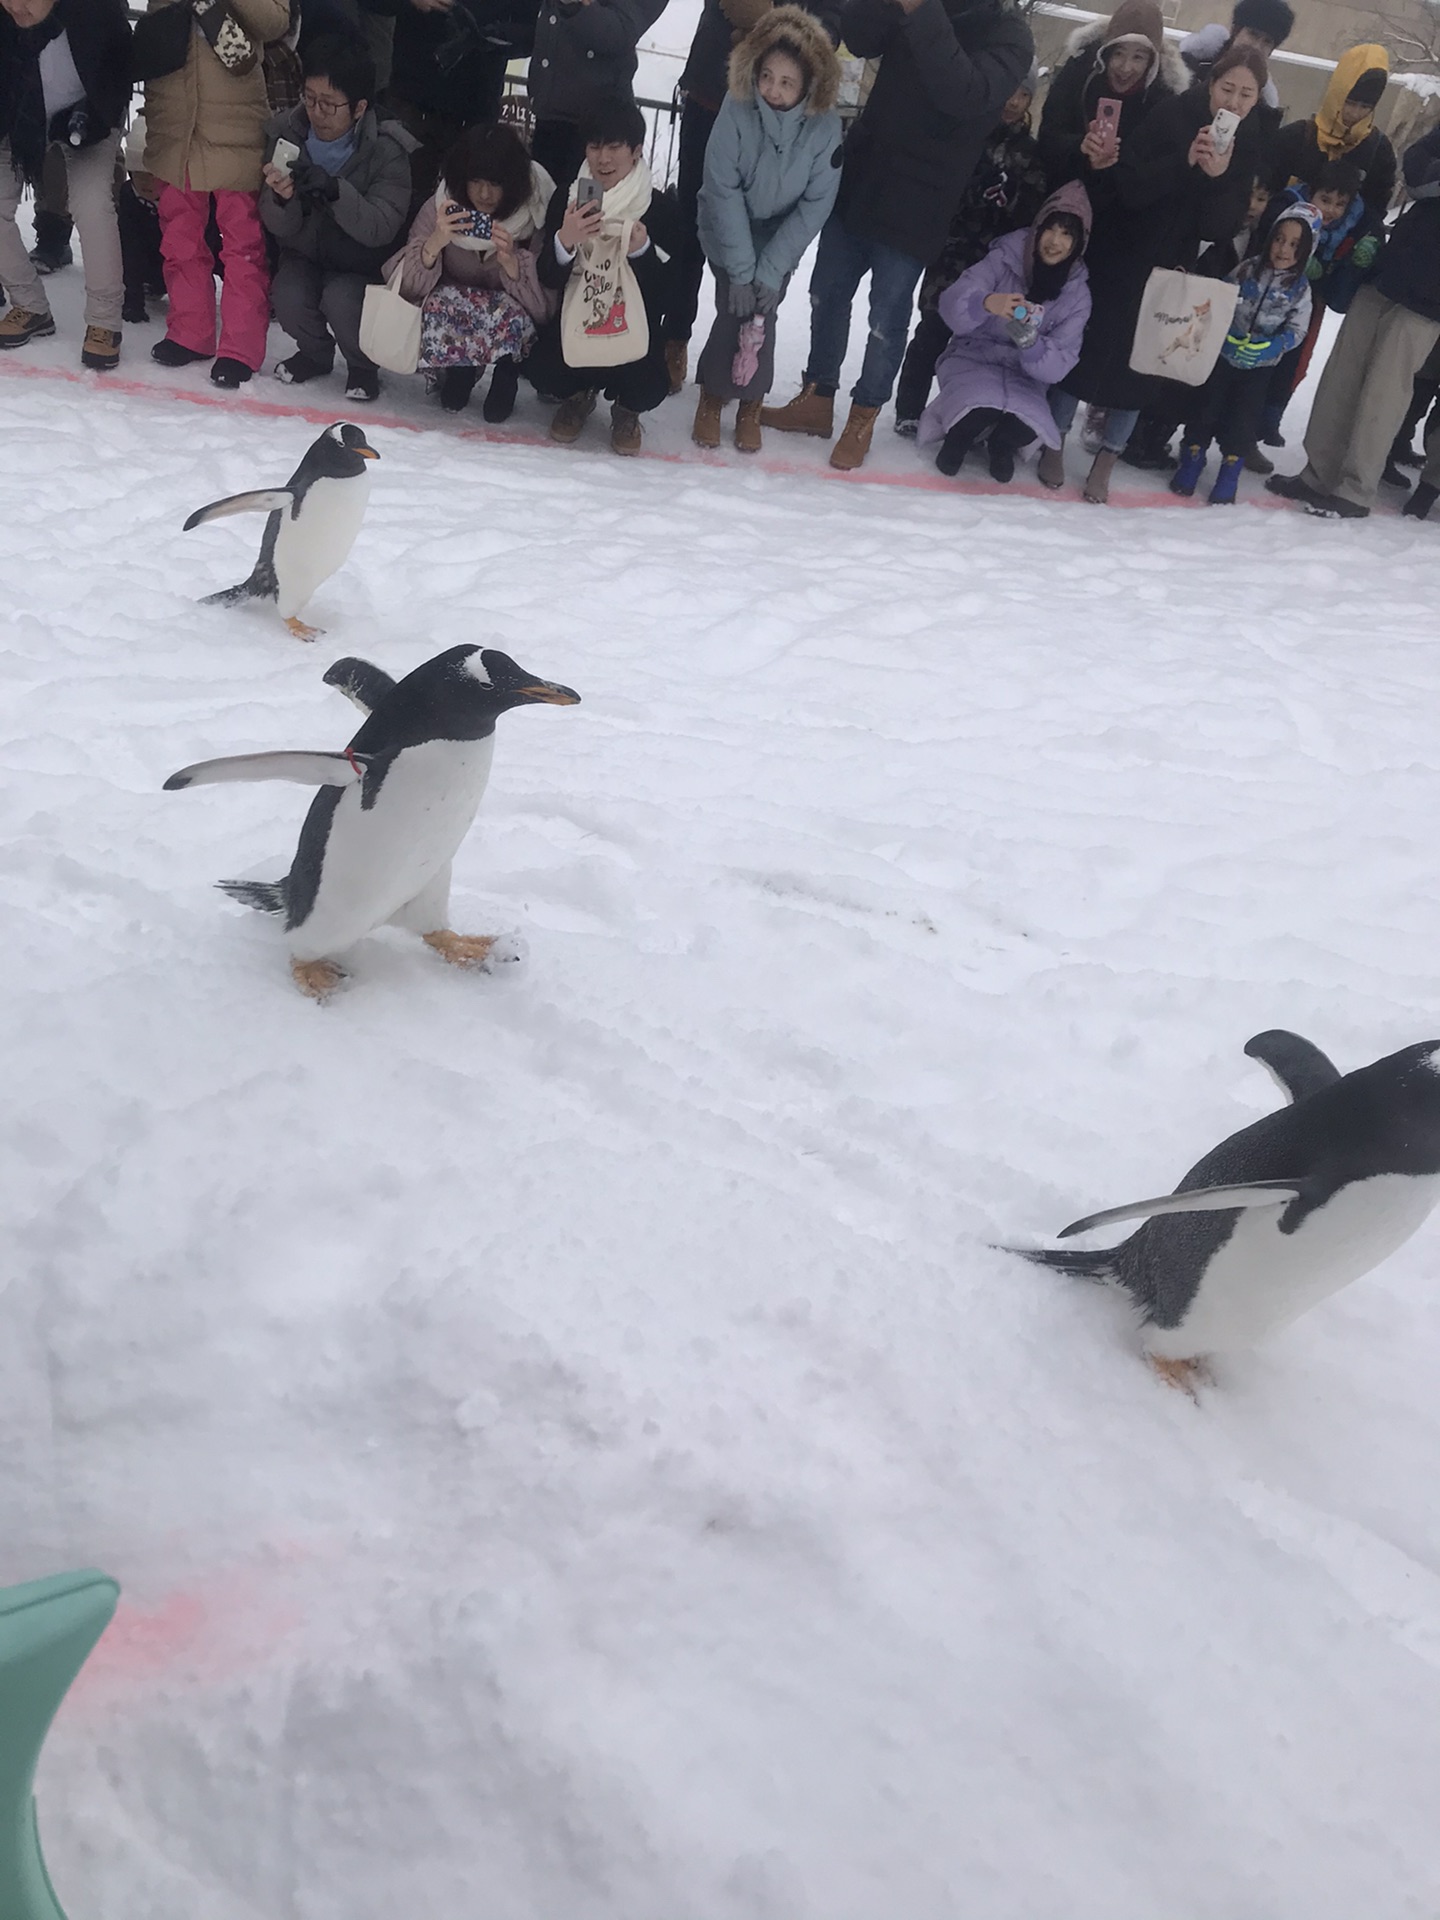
point(336, 207)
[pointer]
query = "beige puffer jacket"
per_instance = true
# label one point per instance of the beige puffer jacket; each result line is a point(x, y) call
point(205, 126)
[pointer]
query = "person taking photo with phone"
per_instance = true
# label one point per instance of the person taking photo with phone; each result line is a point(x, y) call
point(1125, 62)
point(1174, 187)
point(337, 189)
point(471, 264)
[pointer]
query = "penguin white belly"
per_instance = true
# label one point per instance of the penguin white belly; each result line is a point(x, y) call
point(315, 543)
point(1262, 1279)
point(377, 861)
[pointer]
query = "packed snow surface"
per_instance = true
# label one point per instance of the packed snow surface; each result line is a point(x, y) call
point(570, 1445)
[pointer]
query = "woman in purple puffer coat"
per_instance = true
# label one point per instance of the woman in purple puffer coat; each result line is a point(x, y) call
point(998, 368)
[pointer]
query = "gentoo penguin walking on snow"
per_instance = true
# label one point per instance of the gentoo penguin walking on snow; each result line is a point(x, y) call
point(1283, 1213)
point(314, 519)
point(377, 843)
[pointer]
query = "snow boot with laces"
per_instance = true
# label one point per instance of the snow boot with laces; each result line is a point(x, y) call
point(808, 412)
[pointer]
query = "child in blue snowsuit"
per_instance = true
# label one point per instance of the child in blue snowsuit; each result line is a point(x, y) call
point(1271, 316)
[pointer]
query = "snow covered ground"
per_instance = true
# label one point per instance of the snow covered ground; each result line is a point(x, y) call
point(568, 1443)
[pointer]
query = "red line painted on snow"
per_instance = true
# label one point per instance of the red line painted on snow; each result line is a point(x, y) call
point(921, 481)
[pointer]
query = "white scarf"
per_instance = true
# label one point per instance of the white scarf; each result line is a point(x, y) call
point(525, 220)
point(628, 199)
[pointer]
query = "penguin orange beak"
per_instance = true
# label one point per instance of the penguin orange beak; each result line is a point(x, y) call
point(548, 693)
point(367, 453)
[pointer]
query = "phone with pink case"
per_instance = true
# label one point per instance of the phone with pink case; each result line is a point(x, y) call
point(1106, 123)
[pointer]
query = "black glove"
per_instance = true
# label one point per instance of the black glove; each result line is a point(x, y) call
point(313, 185)
point(742, 299)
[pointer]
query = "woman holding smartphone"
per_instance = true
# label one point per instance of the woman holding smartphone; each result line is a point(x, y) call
point(1172, 189)
point(470, 263)
point(1115, 72)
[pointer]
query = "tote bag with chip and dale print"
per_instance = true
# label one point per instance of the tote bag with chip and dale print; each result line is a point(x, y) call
point(1183, 321)
point(603, 322)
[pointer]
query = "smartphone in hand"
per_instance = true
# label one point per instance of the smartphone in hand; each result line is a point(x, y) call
point(474, 225)
point(588, 192)
point(1222, 129)
point(284, 157)
point(1106, 124)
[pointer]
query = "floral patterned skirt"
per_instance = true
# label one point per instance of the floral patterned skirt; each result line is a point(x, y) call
point(471, 326)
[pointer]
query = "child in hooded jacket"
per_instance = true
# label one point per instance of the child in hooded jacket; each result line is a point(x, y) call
point(770, 182)
point(1270, 318)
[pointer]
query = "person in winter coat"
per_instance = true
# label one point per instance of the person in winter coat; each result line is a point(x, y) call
point(205, 136)
point(335, 210)
point(584, 52)
point(64, 85)
point(1384, 340)
point(703, 86)
point(578, 237)
point(1262, 25)
point(1342, 129)
point(1004, 194)
point(480, 290)
point(448, 71)
point(947, 67)
point(1344, 252)
point(1270, 317)
point(770, 182)
point(1017, 319)
point(1126, 58)
point(1170, 191)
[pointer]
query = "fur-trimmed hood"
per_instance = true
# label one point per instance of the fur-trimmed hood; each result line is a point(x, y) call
point(810, 40)
point(1174, 76)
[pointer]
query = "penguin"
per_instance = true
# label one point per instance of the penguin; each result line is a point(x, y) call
point(376, 846)
point(1281, 1214)
point(313, 521)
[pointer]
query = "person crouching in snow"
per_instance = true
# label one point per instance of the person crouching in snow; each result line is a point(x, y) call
point(1270, 317)
point(770, 182)
point(610, 261)
point(996, 373)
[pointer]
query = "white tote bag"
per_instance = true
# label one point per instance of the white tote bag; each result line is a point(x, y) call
point(390, 326)
point(1182, 326)
point(603, 322)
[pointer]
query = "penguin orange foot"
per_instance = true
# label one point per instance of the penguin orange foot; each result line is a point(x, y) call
point(318, 978)
point(467, 949)
point(1187, 1375)
point(301, 631)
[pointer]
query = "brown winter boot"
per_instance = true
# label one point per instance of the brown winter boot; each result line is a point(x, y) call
point(677, 362)
point(20, 325)
point(1097, 481)
point(706, 430)
point(747, 427)
point(101, 352)
point(851, 448)
point(625, 435)
point(571, 415)
point(1051, 469)
point(806, 413)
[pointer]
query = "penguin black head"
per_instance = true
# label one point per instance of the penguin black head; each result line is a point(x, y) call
point(340, 453)
point(503, 683)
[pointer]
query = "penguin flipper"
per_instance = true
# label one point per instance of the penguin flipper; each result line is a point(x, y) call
point(268, 500)
point(305, 769)
point(1296, 1065)
point(1247, 1193)
point(363, 684)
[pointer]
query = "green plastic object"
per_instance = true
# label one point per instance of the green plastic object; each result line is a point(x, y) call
point(47, 1631)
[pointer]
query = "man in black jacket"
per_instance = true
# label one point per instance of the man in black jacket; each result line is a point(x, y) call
point(947, 68)
point(704, 83)
point(1390, 328)
point(64, 82)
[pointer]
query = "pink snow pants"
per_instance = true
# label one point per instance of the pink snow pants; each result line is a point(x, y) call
point(190, 276)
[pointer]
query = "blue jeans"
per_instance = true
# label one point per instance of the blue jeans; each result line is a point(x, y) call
point(1119, 421)
point(841, 263)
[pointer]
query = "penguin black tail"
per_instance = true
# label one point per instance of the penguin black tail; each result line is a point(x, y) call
point(1099, 1267)
point(266, 896)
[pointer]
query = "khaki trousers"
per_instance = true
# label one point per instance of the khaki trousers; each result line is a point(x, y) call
point(90, 172)
point(1363, 394)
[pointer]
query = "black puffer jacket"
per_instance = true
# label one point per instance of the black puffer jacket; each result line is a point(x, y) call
point(1294, 155)
point(705, 75)
point(1070, 103)
point(946, 70)
point(1410, 265)
point(586, 52)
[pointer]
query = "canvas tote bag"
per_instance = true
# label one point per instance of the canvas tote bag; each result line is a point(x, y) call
point(390, 326)
point(1182, 326)
point(603, 322)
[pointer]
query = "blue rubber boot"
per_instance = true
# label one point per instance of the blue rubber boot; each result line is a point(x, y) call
point(1186, 476)
point(1227, 481)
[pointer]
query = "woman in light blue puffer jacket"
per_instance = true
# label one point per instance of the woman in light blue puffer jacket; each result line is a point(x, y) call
point(772, 170)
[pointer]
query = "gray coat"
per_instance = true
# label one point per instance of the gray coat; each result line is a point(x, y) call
point(582, 53)
point(770, 182)
point(353, 232)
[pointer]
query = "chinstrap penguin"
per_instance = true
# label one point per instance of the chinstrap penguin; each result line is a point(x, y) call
point(1283, 1213)
point(376, 846)
point(313, 521)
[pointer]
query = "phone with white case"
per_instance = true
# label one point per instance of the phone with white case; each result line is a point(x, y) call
point(1222, 129)
point(284, 157)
